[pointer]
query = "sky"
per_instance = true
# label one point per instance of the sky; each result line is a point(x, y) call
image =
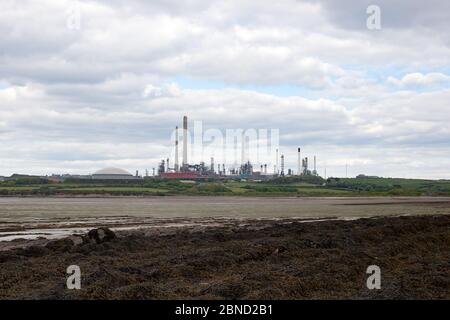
point(92, 84)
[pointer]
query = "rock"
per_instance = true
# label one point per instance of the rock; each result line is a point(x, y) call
point(65, 244)
point(33, 251)
point(100, 235)
point(77, 240)
point(60, 245)
point(279, 250)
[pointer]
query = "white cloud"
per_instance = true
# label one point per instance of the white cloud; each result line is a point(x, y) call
point(167, 90)
point(8, 94)
point(420, 80)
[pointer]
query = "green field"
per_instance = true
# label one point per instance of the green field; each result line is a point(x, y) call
point(288, 186)
point(392, 186)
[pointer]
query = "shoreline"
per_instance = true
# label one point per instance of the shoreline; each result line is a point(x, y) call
point(158, 227)
point(258, 260)
point(38, 218)
point(220, 196)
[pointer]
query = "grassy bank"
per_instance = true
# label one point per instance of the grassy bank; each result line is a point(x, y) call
point(282, 187)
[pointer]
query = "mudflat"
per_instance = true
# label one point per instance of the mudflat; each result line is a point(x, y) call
point(31, 218)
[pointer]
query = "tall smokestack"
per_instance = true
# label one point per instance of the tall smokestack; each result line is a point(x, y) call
point(243, 149)
point(299, 162)
point(315, 165)
point(276, 164)
point(177, 167)
point(185, 133)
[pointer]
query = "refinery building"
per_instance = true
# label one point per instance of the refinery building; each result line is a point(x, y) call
point(245, 171)
point(201, 171)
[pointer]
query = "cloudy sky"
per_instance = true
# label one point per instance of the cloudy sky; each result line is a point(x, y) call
point(91, 84)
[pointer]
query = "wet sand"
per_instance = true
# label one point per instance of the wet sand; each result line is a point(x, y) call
point(251, 259)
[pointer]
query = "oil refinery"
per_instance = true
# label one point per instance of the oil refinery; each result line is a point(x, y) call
point(244, 171)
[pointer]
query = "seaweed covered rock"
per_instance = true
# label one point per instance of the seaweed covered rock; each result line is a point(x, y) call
point(32, 251)
point(65, 244)
point(100, 235)
point(94, 236)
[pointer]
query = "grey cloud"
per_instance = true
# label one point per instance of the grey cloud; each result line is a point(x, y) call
point(104, 95)
point(432, 14)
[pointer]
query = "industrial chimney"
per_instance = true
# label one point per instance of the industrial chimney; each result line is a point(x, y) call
point(243, 160)
point(177, 167)
point(276, 164)
point(299, 162)
point(315, 168)
point(185, 133)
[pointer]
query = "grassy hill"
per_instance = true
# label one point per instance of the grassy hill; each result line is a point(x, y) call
point(287, 186)
point(392, 186)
